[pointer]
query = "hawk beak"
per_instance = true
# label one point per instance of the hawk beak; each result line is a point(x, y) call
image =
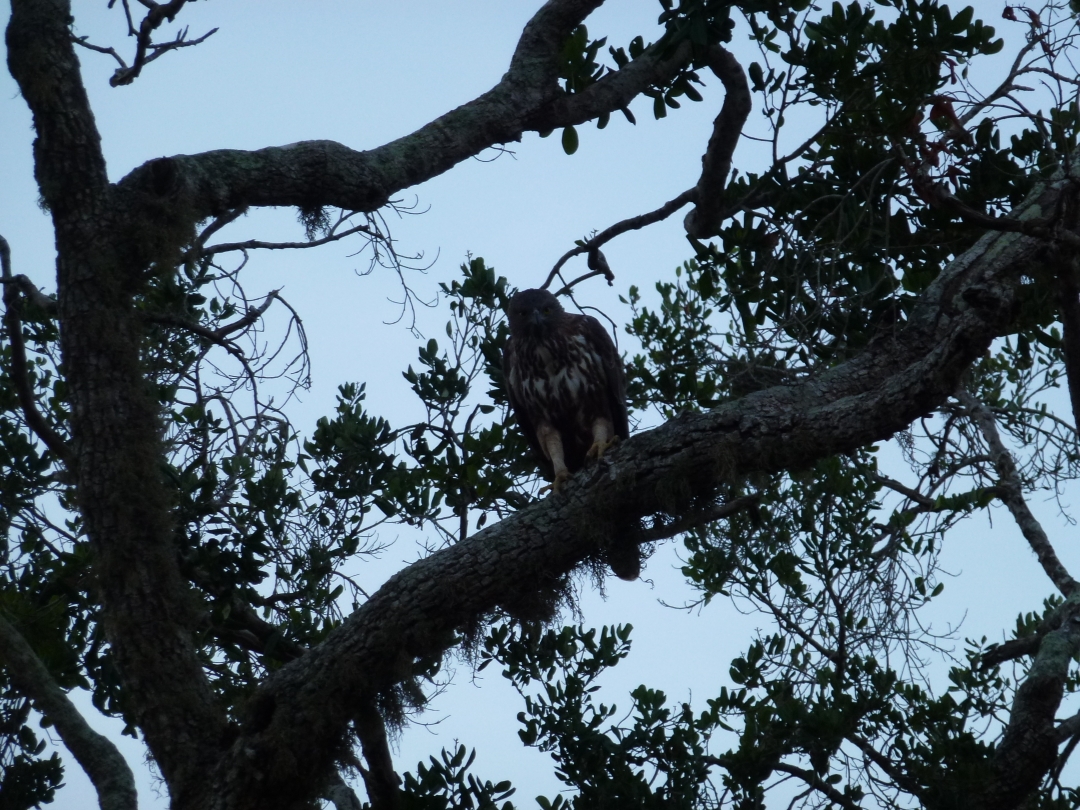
point(537, 318)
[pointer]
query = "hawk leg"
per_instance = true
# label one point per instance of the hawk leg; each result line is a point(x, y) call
point(604, 439)
point(551, 441)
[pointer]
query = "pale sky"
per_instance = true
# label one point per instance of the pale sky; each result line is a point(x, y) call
point(362, 73)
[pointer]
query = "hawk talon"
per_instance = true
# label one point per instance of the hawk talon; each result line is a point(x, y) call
point(556, 486)
point(599, 448)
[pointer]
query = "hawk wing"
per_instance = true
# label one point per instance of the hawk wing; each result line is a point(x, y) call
point(614, 382)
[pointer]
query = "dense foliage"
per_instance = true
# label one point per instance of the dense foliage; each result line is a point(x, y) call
point(821, 255)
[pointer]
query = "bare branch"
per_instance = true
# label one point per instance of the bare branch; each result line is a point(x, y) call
point(1012, 495)
point(887, 766)
point(83, 42)
point(707, 195)
point(146, 50)
point(253, 314)
point(255, 244)
point(1068, 728)
point(815, 781)
point(606, 235)
point(215, 226)
point(99, 758)
point(911, 494)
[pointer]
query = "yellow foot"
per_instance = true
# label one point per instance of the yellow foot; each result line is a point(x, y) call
point(599, 448)
point(556, 486)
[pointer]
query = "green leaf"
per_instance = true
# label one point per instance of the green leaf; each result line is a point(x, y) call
point(569, 140)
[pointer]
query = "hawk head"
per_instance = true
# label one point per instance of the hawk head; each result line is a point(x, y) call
point(534, 313)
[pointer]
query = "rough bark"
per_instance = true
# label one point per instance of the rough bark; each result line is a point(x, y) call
point(1029, 746)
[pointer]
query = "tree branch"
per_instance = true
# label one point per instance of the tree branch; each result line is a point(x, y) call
point(324, 173)
point(99, 758)
point(20, 370)
point(814, 781)
point(380, 779)
point(697, 518)
point(606, 235)
point(704, 221)
point(1012, 495)
point(1029, 747)
point(888, 767)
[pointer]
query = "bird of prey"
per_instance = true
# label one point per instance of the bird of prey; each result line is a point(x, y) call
point(567, 389)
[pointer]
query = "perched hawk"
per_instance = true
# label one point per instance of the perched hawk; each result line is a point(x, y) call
point(567, 388)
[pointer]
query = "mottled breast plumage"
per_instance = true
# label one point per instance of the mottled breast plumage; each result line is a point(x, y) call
point(562, 370)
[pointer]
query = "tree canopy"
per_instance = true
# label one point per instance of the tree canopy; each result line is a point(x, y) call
point(875, 335)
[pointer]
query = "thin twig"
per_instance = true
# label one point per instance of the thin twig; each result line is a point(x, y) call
point(255, 244)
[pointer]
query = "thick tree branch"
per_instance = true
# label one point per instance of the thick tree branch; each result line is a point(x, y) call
point(323, 173)
point(147, 611)
point(659, 472)
point(381, 780)
point(1029, 747)
point(30, 291)
point(69, 164)
point(1012, 649)
point(99, 758)
point(1012, 495)
point(704, 221)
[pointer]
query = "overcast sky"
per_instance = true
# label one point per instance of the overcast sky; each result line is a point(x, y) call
point(362, 73)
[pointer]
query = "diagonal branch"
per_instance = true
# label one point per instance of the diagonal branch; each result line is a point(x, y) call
point(704, 220)
point(324, 173)
point(619, 228)
point(1012, 494)
point(97, 755)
